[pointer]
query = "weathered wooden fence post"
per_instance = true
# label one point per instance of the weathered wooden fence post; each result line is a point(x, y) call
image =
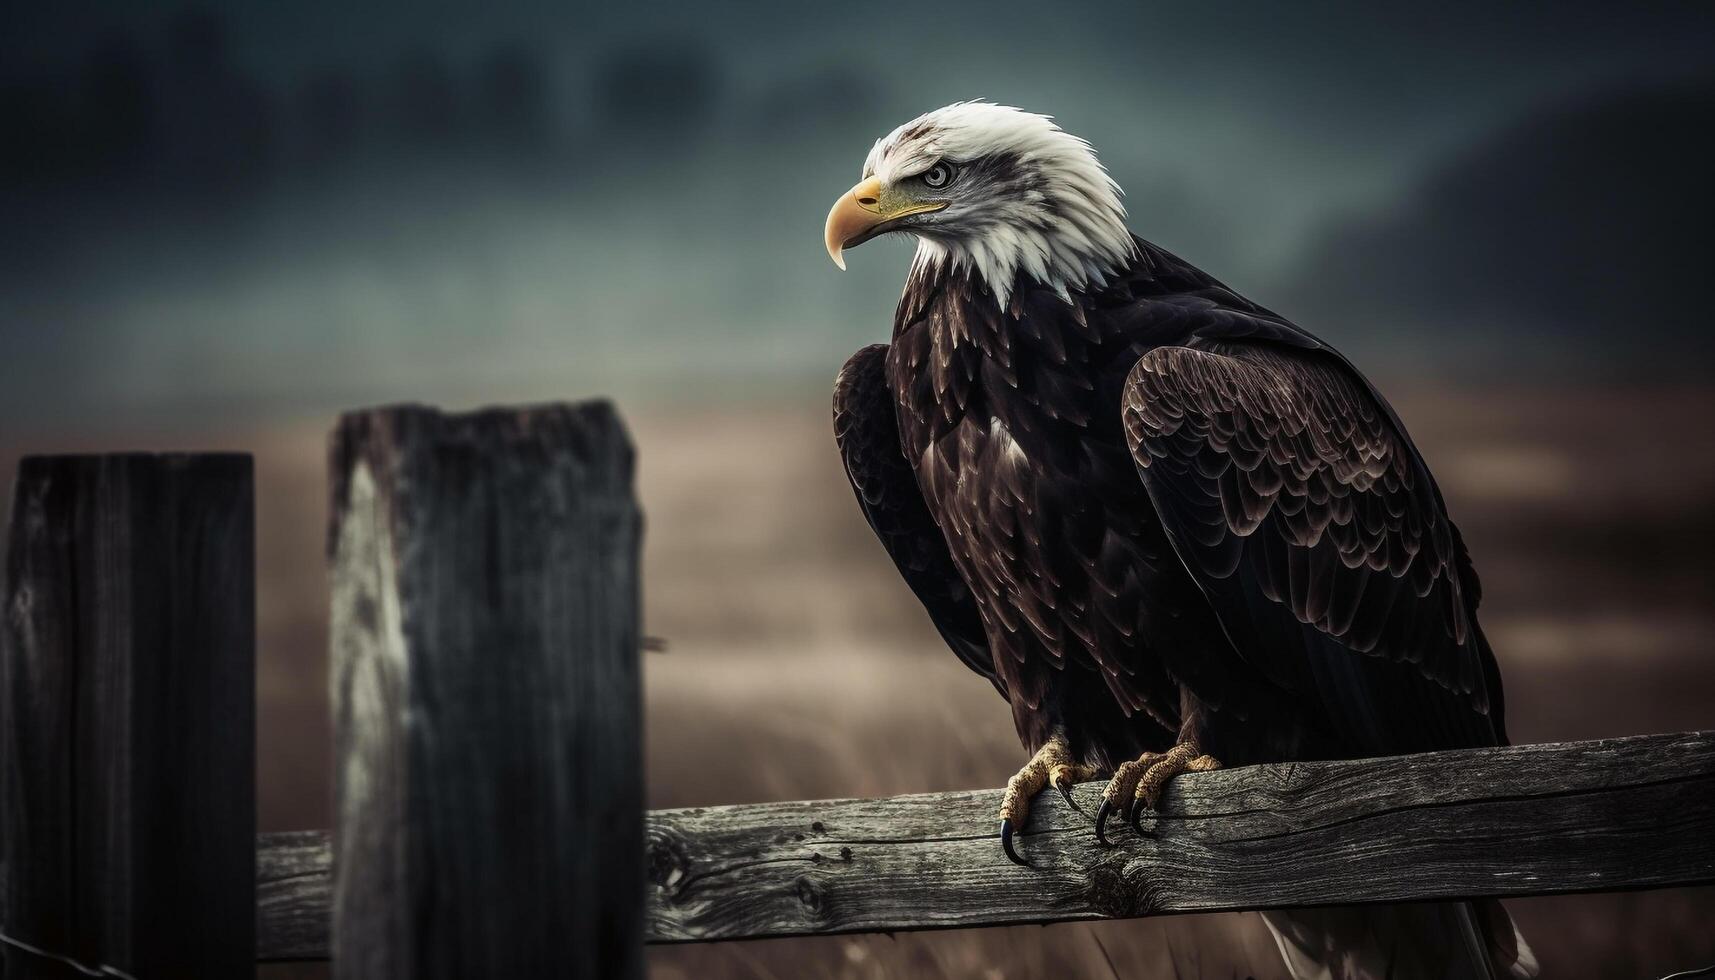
point(486, 695)
point(127, 741)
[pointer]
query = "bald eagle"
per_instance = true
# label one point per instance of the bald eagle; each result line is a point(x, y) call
point(1173, 529)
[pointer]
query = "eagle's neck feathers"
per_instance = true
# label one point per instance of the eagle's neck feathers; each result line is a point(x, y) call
point(1065, 263)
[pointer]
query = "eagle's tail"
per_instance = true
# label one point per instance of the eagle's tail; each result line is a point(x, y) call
point(1440, 941)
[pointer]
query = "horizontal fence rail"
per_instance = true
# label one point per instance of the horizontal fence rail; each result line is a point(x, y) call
point(1610, 815)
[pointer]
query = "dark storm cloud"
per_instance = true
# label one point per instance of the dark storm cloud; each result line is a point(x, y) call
point(1582, 226)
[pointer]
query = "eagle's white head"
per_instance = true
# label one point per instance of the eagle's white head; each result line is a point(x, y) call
point(996, 190)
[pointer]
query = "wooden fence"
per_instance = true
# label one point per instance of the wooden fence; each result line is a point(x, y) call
point(488, 767)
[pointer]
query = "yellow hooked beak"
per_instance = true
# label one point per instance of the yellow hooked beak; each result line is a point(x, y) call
point(866, 211)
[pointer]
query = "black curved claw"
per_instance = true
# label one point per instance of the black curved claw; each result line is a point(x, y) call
point(1102, 818)
point(1006, 843)
point(1134, 815)
point(1066, 792)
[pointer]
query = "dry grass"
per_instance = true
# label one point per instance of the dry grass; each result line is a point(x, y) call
point(798, 666)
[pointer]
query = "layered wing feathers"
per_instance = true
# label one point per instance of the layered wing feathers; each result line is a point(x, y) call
point(1308, 519)
point(867, 431)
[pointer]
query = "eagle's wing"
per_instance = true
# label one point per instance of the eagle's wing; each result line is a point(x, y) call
point(867, 430)
point(1307, 517)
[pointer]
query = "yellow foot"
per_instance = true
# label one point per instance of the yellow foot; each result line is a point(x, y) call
point(1052, 765)
point(1137, 785)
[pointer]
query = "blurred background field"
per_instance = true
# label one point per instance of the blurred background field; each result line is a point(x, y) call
point(220, 226)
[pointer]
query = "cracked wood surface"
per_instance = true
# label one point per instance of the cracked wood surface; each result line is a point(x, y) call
point(1609, 815)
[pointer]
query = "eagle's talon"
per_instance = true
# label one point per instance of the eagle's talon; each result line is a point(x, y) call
point(1118, 795)
point(1006, 844)
point(1182, 758)
point(1102, 818)
point(1066, 793)
point(1051, 765)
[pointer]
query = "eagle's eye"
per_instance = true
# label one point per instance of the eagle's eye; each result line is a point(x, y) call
point(938, 176)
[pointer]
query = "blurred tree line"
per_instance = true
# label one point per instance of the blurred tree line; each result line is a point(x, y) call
point(174, 113)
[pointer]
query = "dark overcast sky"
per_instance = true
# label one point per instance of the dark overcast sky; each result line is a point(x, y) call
point(1391, 77)
point(1255, 138)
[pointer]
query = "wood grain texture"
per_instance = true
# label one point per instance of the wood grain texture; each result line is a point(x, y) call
point(294, 895)
point(1627, 813)
point(127, 686)
point(1610, 815)
point(487, 703)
